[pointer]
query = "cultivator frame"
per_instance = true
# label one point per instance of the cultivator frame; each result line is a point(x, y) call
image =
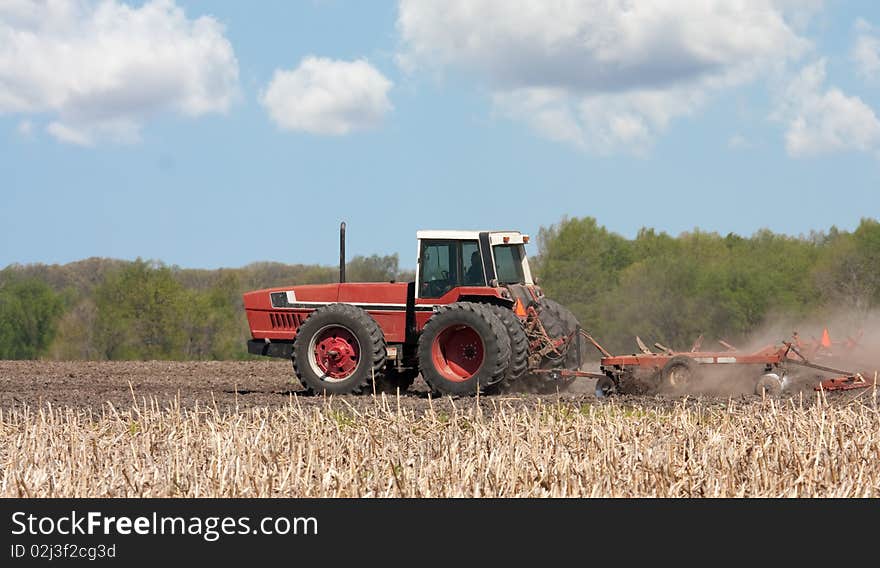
point(775, 360)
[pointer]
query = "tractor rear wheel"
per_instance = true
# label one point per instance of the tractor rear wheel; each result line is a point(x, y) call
point(339, 349)
point(519, 347)
point(464, 349)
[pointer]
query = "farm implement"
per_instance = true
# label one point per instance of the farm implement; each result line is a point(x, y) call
point(772, 368)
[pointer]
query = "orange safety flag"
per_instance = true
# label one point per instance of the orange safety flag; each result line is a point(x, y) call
point(826, 339)
point(518, 309)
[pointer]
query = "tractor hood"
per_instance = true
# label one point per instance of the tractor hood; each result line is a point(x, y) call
point(310, 296)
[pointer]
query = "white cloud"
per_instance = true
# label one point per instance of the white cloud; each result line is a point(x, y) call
point(823, 120)
point(546, 110)
point(103, 68)
point(738, 142)
point(599, 123)
point(866, 51)
point(327, 96)
point(25, 128)
point(605, 75)
point(69, 135)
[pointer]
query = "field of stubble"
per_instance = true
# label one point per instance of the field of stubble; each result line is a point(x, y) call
point(238, 429)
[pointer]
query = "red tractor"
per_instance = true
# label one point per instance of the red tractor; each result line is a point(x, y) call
point(472, 322)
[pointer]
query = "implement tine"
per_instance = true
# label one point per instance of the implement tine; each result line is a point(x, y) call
point(662, 347)
point(642, 346)
point(595, 343)
point(697, 344)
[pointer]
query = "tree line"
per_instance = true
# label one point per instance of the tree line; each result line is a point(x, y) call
point(672, 290)
point(105, 309)
point(668, 289)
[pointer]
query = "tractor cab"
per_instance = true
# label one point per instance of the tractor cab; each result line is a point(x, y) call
point(455, 259)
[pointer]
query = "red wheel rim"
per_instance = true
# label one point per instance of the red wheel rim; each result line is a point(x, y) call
point(334, 353)
point(457, 353)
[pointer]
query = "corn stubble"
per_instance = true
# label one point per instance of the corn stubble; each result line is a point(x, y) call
point(796, 447)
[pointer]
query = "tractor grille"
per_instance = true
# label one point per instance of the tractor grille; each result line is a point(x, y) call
point(285, 320)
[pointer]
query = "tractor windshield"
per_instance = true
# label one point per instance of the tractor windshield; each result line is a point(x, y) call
point(508, 264)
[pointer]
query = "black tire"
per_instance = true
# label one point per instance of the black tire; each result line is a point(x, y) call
point(769, 384)
point(366, 356)
point(558, 321)
point(393, 379)
point(518, 365)
point(680, 374)
point(605, 387)
point(471, 347)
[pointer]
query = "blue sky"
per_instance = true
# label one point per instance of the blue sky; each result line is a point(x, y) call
point(215, 134)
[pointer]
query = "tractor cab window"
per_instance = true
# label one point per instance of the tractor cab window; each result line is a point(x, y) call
point(445, 264)
point(473, 264)
point(508, 264)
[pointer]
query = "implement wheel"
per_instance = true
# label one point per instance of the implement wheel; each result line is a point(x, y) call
point(769, 384)
point(605, 387)
point(464, 349)
point(680, 374)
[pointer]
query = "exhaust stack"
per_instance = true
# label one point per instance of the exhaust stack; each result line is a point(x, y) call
point(342, 252)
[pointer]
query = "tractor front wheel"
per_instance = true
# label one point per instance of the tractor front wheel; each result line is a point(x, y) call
point(464, 349)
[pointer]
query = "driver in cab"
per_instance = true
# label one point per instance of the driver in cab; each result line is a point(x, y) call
point(474, 274)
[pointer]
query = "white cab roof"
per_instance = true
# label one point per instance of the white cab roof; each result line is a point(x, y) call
point(495, 236)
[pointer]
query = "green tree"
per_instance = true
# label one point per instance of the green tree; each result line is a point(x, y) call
point(579, 263)
point(29, 314)
point(212, 321)
point(75, 340)
point(140, 311)
point(847, 272)
point(373, 268)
